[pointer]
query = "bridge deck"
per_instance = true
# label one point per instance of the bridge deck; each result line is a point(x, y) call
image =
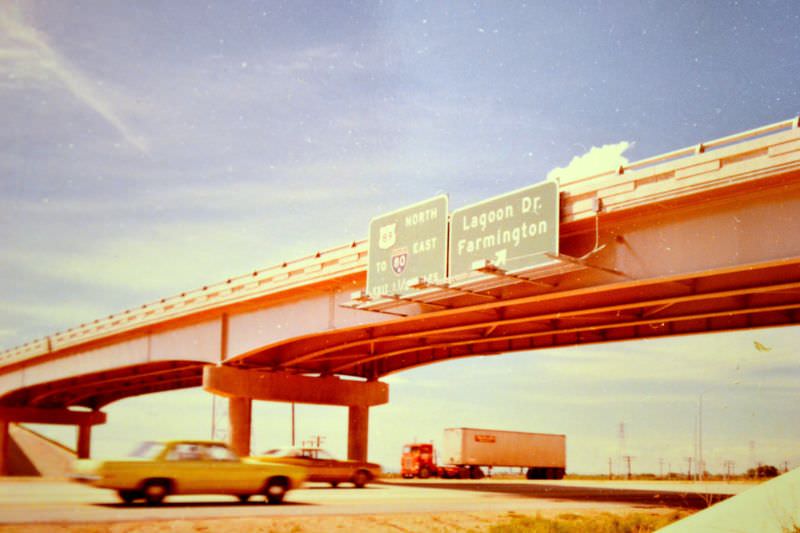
point(684, 242)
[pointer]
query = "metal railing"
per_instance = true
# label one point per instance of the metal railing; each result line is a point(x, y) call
point(326, 265)
point(316, 268)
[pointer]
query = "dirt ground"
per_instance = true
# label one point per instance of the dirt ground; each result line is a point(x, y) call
point(407, 523)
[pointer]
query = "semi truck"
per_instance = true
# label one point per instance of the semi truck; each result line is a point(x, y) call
point(465, 450)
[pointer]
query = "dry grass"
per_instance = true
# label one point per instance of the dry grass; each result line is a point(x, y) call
point(599, 523)
point(478, 522)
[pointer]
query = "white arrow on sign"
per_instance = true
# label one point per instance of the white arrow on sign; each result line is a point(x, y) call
point(500, 257)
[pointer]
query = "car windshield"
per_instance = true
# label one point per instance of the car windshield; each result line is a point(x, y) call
point(147, 450)
point(320, 454)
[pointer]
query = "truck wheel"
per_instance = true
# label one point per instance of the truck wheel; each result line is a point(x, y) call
point(424, 473)
point(275, 490)
point(361, 478)
point(155, 491)
point(244, 498)
point(475, 472)
point(532, 473)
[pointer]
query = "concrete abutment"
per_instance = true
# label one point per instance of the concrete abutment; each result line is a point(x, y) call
point(243, 386)
point(83, 419)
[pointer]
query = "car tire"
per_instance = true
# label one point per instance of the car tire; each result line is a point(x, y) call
point(155, 491)
point(128, 496)
point(424, 473)
point(334, 484)
point(244, 498)
point(361, 478)
point(275, 490)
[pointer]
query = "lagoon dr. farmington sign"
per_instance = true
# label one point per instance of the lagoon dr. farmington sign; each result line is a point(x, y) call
point(513, 231)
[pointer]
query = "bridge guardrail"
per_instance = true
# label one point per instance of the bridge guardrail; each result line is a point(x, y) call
point(695, 168)
point(690, 169)
point(319, 267)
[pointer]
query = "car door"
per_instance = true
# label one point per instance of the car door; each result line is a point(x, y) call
point(184, 464)
point(228, 474)
point(336, 471)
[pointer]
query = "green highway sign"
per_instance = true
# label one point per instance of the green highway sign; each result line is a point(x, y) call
point(513, 231)
point(407, 244)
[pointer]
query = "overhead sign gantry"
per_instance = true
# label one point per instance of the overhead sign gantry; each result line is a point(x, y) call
point(502, 240)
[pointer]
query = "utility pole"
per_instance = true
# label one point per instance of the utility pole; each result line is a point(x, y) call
point(316, 441)
point(729, 469)
point(689, 475)
point(219, 418)
point(700, 436)
point(292, 424)
point(695, 453)
point(610, 472)
point(627, 459)
point(621, 442)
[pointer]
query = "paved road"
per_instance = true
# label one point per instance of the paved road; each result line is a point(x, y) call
point(41, 501)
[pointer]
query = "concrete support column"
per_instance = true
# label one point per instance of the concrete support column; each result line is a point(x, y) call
point(357, 432)
point(84, 441)
point(5, 439)
point(242, 386)
point(240, 416)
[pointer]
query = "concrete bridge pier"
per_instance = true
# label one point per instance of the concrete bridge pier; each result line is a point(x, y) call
point(83, 419)
point(243, 386)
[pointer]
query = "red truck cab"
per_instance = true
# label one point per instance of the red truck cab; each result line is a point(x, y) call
point(418, 461)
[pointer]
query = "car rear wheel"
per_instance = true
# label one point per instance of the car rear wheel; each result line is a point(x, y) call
point(361, 478)
point(275, 490)
point(154, 492)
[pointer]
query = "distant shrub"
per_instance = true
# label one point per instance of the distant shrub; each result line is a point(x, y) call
point(763, 471)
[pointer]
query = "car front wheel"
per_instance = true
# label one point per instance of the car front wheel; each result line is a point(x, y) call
point(361, 478)
point(275, 490)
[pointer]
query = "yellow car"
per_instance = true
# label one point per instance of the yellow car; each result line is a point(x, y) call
point(157, 469)
point(322, 466)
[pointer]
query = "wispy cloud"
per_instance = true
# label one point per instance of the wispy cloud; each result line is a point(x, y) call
point(596, 160)
point(26, 55)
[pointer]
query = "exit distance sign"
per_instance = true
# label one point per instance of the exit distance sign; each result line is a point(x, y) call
point(407, 244)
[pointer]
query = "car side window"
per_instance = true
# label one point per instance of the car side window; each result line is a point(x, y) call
point(221, 453)
point(185, 452)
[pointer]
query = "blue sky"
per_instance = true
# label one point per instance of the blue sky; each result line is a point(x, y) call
point(150, 147)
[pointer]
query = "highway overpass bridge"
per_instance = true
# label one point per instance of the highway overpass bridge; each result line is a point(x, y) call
point(702, 239)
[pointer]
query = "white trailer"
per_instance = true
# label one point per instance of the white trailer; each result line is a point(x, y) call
point(543, 454)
